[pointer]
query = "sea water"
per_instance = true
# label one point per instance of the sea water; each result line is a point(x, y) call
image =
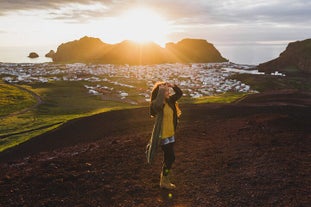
point(240, 54)
point(20, 54)
point(252, 54)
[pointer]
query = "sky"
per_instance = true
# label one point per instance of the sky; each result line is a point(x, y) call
point(52, 22)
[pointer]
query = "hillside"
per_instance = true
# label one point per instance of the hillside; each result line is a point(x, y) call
point(129, 52)
point(252, 153)
point(14, 99)
point(93, 50)
point(84, 50)
point(194, 51)
point(296, 58)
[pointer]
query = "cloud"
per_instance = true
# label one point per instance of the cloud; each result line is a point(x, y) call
point(275, 12)
point(242, 20)
point(241, 12)
point(39, 4)
point(179, 11)
point(79, 14)
point(25, 5)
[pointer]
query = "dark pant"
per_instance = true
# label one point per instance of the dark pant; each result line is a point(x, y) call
point(169, 157)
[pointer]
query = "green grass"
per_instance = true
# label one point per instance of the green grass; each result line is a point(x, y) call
point(228, 97)
point(13, 99)
point(65, 98)
point(62, 101)
point(221, 98)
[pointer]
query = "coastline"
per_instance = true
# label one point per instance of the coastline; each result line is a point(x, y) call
point(251, 54)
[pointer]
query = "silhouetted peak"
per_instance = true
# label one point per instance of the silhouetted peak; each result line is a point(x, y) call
point(86, 38)
point(140, 44)
point(50, 54)
point(190, 40)
point(194, 50)
point(93, 50)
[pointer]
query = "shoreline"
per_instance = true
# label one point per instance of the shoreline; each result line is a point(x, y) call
point(249, 54)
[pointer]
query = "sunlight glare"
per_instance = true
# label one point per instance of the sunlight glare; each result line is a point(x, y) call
point(143, 25)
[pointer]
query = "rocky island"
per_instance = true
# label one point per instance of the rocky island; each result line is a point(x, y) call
point(93, 50)
point(33, 55)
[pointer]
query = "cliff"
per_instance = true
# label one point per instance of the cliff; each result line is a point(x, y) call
point(93, 50)
point(195, 51)
point(129, 52)
point(86, 49)
point(296, 58)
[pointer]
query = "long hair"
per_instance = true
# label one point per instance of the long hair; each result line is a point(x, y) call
point(155, 90)
point(154, 94)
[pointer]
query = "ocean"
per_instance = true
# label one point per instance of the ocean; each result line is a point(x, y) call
point(241, 54)
point(19, 54)
point(251, 54)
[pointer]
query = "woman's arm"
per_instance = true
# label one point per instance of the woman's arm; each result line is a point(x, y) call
point(178, 93)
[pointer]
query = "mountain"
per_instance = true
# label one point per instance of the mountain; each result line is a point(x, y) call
point(194, 50)
point(296, 58)
point(129, 52)
point(86, 49)
point(93, 50)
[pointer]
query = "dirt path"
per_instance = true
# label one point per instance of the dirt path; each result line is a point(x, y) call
point(239, 154)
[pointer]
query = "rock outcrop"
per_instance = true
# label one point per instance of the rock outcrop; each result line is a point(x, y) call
point(296, 58)
point(50, 54)
point(129, 52)
point(86, 50)
point(93, 50)
point(194, 51)
point(33, 55)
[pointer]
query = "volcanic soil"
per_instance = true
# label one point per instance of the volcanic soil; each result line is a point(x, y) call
point(255, 152)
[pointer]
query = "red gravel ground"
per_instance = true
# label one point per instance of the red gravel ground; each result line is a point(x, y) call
point(253, 153)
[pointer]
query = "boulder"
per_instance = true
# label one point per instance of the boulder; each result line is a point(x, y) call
point(50, 54)
point(33, 55)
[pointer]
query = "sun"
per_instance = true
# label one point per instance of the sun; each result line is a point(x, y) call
point(144, 25)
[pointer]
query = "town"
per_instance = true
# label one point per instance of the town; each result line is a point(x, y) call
point(196, 80)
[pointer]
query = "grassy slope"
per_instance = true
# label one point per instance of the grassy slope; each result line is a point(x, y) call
point(221, 98)
point(62, 101)
point(13, 99)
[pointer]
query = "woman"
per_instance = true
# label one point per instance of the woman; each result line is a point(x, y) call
point(164, 107)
